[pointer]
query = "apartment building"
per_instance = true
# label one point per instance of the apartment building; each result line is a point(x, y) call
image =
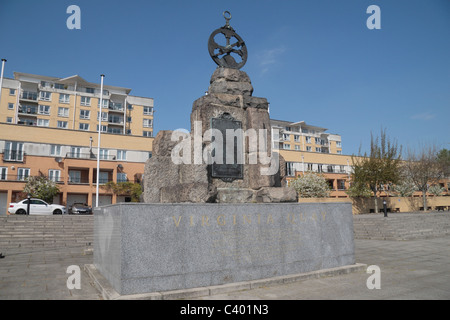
point(74, 103)
point(49, 127)
point(308, 148)
point(299, 136)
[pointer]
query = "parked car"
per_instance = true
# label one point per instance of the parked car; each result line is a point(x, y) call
point(80, 208)
point(37, 206)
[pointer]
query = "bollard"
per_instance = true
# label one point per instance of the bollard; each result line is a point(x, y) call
point(385, 208)
point(28, 204)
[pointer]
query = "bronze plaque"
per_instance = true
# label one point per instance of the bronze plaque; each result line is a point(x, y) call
point(231, 167)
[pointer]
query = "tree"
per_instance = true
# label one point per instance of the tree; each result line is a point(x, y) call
point(134, 190)
point(311, 185)
point(379, 168)
point(405, 189)
point(41, 187)
point(359, 190)
point(436, 190)
point(443, 159)
point(425, 167)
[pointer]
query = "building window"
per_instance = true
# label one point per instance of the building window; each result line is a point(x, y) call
point(43, 122)
point(104, 177)
point(339, 152)
point(121, 177)
point(338, 143)
point(147, 133)
point(105, 103)
point(9, 119)
point(104, 116)
point(84, 126)
point(55, 150)
point(59, 86)
point(297, 147)
point(10, 106)
point(288, 129)
point(318, 140)
point(104, 153)
point(3, 173)
point(308, 148)
point(290, 171)
point(63, 112)
point(103, 129)
point(341, 184)
point(148, 123)
point(64, 98)
point(74, 176)
point(296, 138)
point(45, 96)
point(85, 101)
point(90, 90)
point(286, 146)
point(318, 149)
point(121, 155)
point(148, 111)
point(308, 139)
point(62, 124)
point(85, 114)
point(54, 175)
point(310, 167)
point(75, 152)
point(44, 109)
point(13, 151)
point(23, 174)
point(330, 168)
point(12, 92)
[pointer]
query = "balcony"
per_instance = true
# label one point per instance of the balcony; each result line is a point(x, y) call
point(115, 120)
point(88, 156)
point(78, 155)
point(115, 107)
point(27, 122)
point(27, 95)
point(28, 110)
point(13, 156)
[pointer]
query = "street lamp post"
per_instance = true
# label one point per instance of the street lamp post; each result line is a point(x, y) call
point(98, 143)
point(1, 78)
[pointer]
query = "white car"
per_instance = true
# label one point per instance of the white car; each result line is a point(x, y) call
point(37, 206)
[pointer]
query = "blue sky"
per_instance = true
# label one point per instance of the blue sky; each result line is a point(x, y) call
point(314, 60)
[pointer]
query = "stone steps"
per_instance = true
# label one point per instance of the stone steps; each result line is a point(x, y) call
point(45, 231)
point(401, 226)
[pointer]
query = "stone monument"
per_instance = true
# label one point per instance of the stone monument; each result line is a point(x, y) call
point(230, 144)
point(216, 212)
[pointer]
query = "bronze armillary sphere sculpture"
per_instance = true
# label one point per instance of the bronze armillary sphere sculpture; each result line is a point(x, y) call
point(224, 55)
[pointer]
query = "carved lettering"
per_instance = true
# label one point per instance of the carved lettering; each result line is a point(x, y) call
point(177, 222)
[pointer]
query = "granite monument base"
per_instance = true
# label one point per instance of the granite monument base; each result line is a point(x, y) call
point(141, 248)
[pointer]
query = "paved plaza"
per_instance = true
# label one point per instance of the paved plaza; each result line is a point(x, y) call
point(412, 269)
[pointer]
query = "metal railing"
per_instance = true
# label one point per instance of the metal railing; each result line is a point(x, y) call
point(24, 178)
